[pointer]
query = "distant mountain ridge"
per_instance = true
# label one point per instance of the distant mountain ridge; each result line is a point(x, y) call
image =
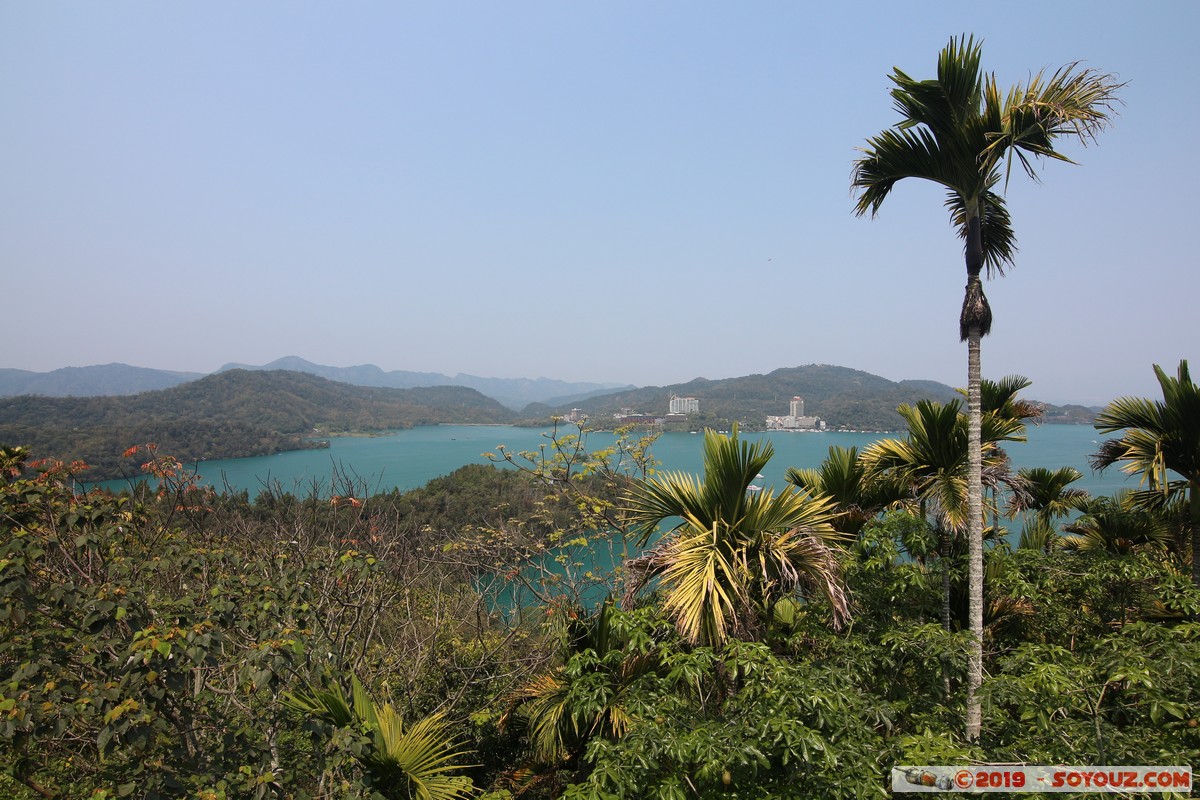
point(111, 380)
point(515, 393)
point(853, 399)
point(845, 398)
point(99, 380)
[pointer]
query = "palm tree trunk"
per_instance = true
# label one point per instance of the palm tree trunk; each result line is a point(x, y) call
point(944, 556)
point(974, 536)
point(975, 322)
point(1194, 503)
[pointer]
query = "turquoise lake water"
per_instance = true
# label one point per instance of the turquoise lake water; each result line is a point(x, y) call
point(409, 459)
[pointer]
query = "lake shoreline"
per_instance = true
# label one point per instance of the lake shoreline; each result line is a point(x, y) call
point(410, 458)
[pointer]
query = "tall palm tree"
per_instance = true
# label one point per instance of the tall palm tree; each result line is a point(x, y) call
point(735, 553)
point(1160, 438)
point(957, 130)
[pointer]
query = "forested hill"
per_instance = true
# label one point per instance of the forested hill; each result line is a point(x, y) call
point(844, 398)
point(228, 415)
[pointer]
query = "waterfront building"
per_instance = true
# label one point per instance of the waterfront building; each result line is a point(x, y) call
point(684, 405)
point(796, 420)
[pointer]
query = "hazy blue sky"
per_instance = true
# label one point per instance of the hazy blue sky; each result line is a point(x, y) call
point(618, 191)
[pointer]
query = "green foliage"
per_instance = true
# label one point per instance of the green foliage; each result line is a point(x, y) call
point(1047, 491)
point(1079, 679)
point(135, 658)
point(1103, 669)
point(932, 458)
point(1115, 525)
point(145, 641)
point(564, 551)
point(588, 694)
point(741, 722)
point(149, 643)
point(843, 476)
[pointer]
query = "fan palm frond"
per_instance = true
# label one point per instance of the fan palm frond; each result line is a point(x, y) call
point(856, 495)
point(1113, 525)
point(420, 758)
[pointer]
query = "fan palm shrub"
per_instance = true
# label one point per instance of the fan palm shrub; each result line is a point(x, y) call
point(734, 552)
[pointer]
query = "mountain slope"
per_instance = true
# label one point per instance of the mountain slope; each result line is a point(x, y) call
point(228, 415)
point(844, 398)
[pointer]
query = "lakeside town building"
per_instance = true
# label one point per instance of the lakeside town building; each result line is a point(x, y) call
point(684, 405)
point(795, 420)
point(627, 416)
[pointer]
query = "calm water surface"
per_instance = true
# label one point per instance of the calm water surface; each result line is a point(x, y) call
point(409, 459)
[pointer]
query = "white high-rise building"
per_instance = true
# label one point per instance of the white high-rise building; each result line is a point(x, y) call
point(796, 421)
point(684, 405)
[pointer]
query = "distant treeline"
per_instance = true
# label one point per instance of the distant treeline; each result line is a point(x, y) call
point(844, 398)
point(243, 413)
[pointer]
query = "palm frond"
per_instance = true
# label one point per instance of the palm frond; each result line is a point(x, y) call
point(957, 128)
point(1048, 491)
point(1157, 435)
point(706, 595)
point(891, 157)
point(421, 757)
point(843, 478)
point(1071, 102)
point(1113, 525)
point(330, 705)
point(730, 466)
point(541, 706)
point(1038, 533)
point(933, 461)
